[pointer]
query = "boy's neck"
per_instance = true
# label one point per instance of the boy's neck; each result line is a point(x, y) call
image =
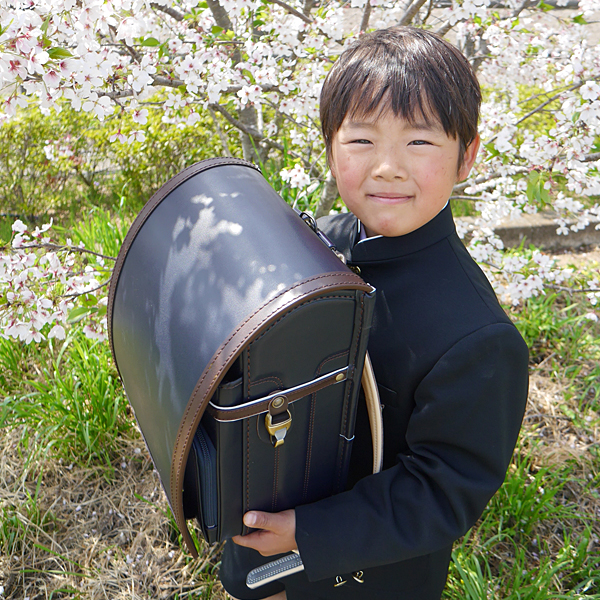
point(362, 230)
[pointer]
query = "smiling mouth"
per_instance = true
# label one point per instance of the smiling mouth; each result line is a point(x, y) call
point(390, 198)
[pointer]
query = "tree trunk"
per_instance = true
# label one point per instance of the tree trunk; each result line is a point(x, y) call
point(251, 148)
point(328, 196)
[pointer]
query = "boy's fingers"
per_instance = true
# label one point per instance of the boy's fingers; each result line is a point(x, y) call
point(269, 521)
point(258, 520)
point(276, 532)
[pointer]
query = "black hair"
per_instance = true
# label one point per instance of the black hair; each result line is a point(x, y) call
point(414, 72)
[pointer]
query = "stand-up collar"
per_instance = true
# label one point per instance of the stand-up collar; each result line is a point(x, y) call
point(386, 248)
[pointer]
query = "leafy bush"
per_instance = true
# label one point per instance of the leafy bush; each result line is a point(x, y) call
point(62, 161)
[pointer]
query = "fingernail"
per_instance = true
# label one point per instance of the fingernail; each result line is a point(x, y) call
point(249, 519)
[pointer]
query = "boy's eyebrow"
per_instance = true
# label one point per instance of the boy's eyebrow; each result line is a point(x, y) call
point(418, 125)
point(360, 125)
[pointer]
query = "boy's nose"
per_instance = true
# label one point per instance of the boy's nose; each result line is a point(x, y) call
point(390, 168)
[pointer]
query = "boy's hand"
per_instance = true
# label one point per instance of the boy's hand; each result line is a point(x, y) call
point(277, 533)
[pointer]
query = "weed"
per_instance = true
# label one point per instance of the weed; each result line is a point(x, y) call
point(22, 520)
point(77, 408)
point(102, 231)
point(554, 325)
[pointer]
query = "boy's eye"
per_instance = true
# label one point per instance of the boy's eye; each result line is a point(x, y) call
point(419, 143)
point(360, 141)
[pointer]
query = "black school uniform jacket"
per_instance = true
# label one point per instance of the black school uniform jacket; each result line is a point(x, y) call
point(452, 372)
point(452, 375)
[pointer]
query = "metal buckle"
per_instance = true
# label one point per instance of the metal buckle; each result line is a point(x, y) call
point(339, 581)
point(278, 431)
point(358, 576)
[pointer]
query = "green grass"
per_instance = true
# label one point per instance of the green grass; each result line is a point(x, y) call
point(555, 325)
point(538, 538)
point(101, 230)
point(532, 541)
point(23, 520)
point(76, 407)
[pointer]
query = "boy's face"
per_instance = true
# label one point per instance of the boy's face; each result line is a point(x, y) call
point(394, 176)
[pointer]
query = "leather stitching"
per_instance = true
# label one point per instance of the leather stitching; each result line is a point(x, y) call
point(345, 414)
point(273, 378)
point(177, 500)
point(143, 216)
point(248, 437)
point(247, 465)
point(311, 424)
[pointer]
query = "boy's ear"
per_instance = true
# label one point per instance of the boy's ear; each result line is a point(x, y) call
point(469, 158)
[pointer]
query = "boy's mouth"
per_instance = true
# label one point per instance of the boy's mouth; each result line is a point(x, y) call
point(387, 198)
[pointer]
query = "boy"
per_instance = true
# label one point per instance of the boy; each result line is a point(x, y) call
point(399, 113)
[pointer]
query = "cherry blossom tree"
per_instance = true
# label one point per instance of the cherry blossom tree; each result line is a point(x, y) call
point(256, 66)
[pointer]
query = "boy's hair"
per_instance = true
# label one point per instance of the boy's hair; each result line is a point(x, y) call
point(414, 72)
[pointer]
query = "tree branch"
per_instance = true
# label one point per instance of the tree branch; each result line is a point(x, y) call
point(525, 4)
point(365, 17)
point(131, 51)
point(220, 15)
point(251, 132)
point(569, 290)
point(555, 97)
point(444, 29)
point(292, 11)
point(77, 294)
point(220, 132)
point(59, 248)
point(591, 157)
point(544, 104)
point(459, 187)
point(410, 12)
point(169, 11)
point(428, 14)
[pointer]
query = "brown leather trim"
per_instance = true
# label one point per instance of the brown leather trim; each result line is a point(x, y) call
point(148, 209)
point(229, 350)
point(261, 405)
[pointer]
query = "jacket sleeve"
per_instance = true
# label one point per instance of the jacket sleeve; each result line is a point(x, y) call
point(461, 435)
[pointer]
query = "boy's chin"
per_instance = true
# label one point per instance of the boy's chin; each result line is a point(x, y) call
point(391, 229)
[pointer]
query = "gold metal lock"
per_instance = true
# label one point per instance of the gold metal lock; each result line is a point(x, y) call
point(278, 431)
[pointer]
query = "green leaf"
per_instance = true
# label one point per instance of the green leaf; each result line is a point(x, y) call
point(163, 50)
point(58, 53)
point(568, 411)
point(579, 19)
point(533, 186)
point(216, 30)
point(492, 150)
point(152, 42)
point(77, 314)
point(45, 24)
point(88, 300)
point(257, 23)
point(544, 6)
